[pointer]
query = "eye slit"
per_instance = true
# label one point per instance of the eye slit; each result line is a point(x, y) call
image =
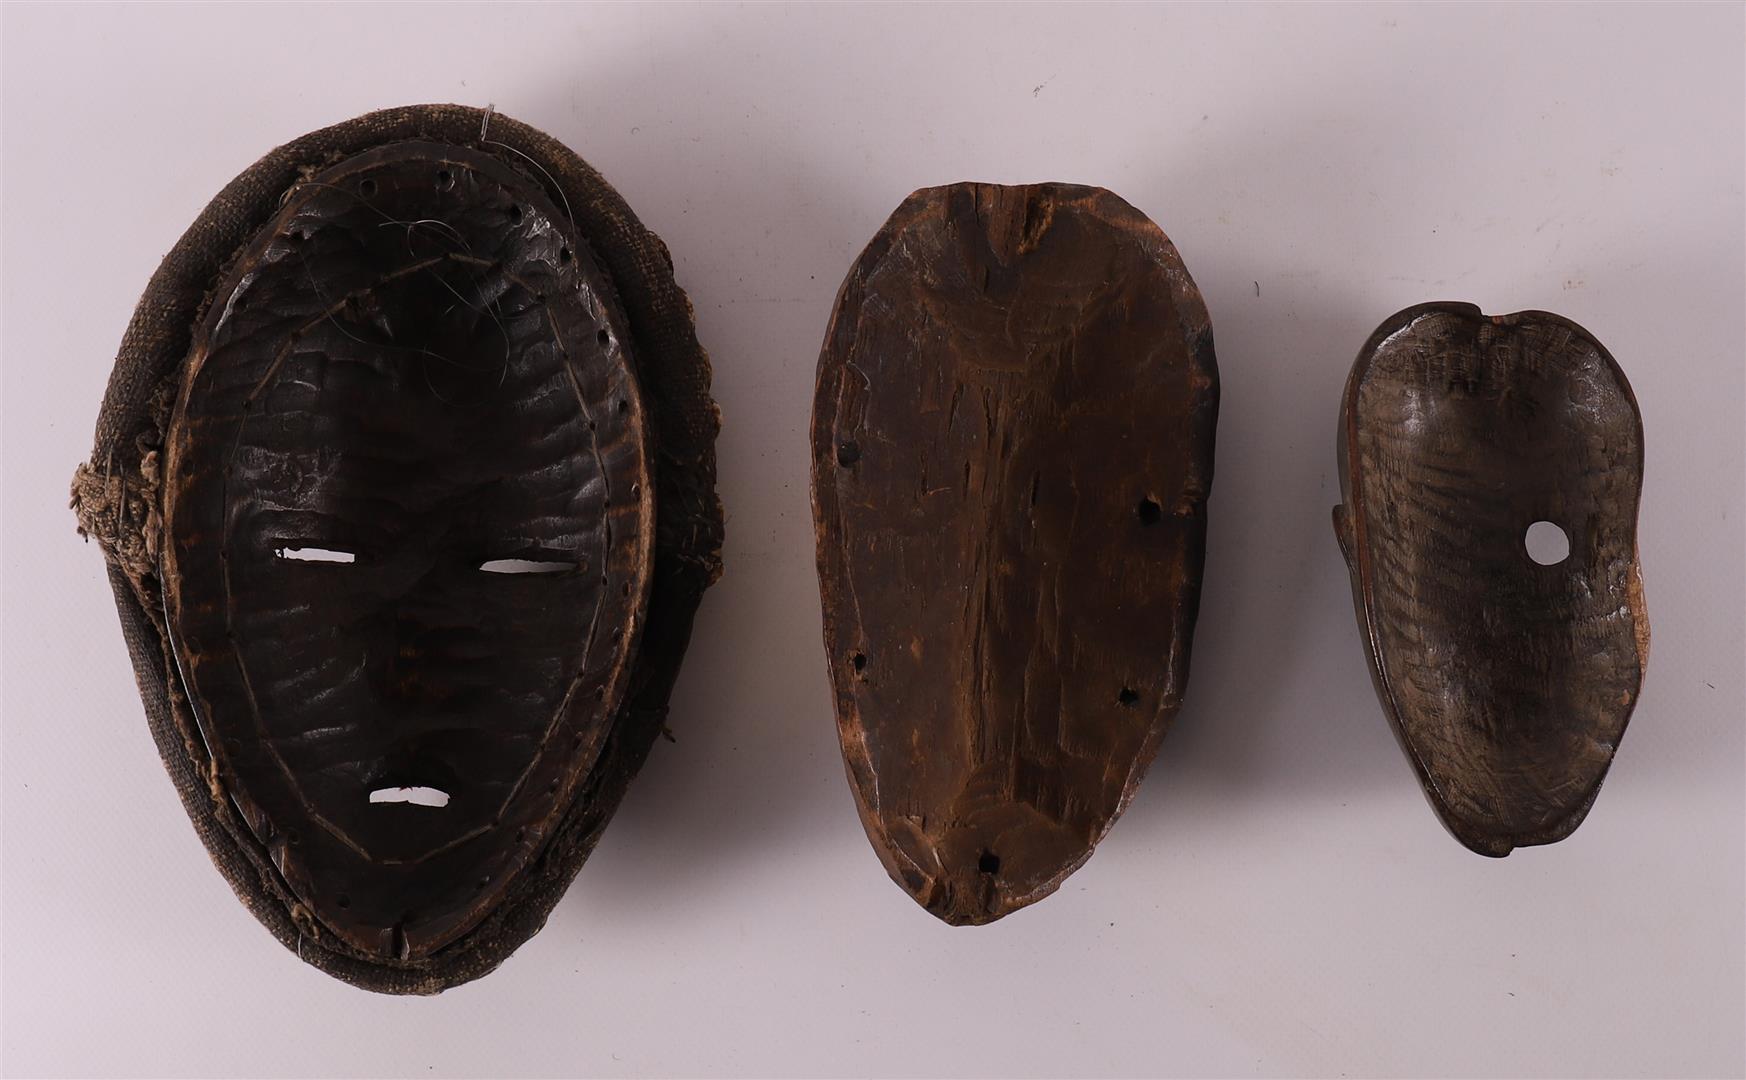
point(525, 566)
point(315, 554)
point(417, 796)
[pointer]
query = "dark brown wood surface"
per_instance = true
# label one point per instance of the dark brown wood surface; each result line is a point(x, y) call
point(1509, 682)
point(1012, 449)
point(416, 366)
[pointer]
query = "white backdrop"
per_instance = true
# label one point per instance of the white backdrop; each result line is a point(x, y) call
point(1279, 899)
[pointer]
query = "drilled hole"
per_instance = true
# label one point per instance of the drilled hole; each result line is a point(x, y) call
point(416, 796)
point(848, 453)
point(1547, 544)
point(860, 661)
point(343, 902)
point(1127, 697)
point(623, 405)
point(367, 189)
point(603, 337)
point(514, 214)
point(1150, 512)
point(989, 863)
point(564, 254)
point(445, 179)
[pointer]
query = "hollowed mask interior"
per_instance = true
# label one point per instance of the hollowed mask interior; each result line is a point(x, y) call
point(1013, 440)
point(1492, 472)
point(409, 520)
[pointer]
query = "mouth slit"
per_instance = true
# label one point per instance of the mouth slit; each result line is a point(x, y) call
point(315, 554)
point(417, 796)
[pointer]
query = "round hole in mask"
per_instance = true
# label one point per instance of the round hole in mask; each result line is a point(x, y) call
point(1547, 544)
